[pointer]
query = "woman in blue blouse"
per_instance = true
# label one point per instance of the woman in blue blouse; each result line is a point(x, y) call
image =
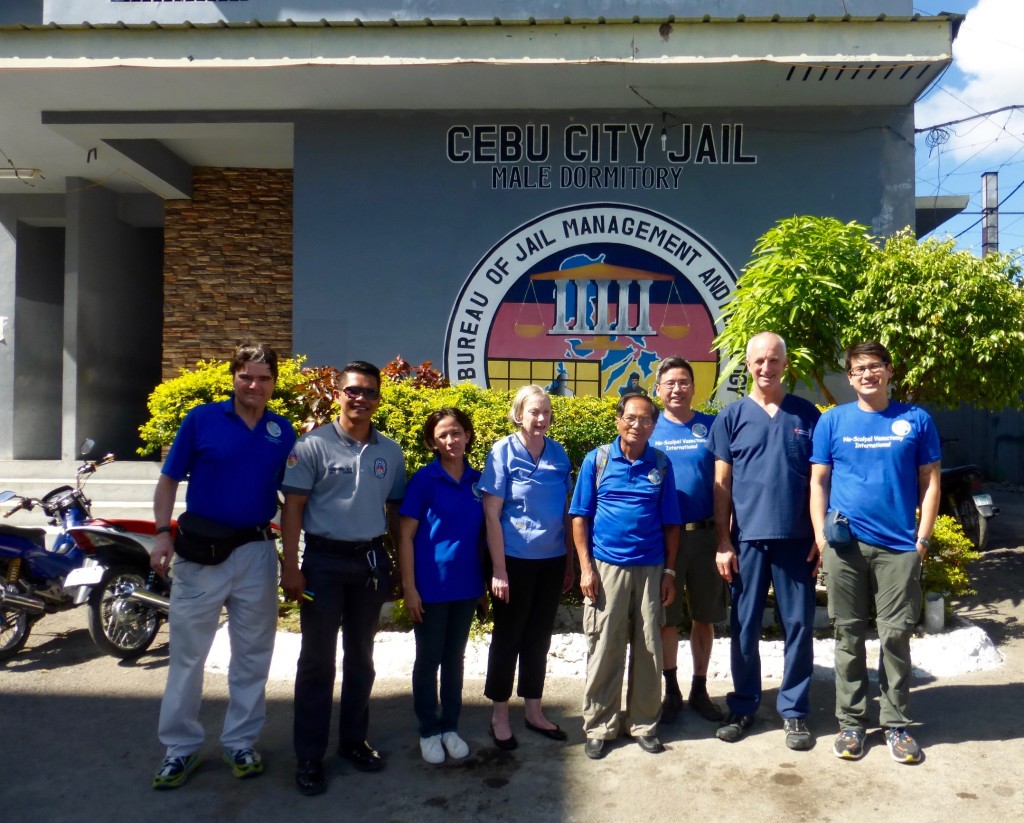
point(439, 552)
point(526, 483)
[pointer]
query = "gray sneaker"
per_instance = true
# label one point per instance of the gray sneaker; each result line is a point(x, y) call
point(849, 744)
point(902, 746)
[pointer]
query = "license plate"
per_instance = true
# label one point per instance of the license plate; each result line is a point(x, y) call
point(85, 576)
point(982, 500)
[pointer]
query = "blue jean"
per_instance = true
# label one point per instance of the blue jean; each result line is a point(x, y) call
point(783, 563)
point(440, 644)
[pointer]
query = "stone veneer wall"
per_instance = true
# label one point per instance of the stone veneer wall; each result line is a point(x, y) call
point(228, 265)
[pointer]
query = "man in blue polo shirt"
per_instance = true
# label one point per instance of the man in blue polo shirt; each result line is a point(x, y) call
point(233, 453)
point(874, 463)
point(762, 449)
point(625, 518)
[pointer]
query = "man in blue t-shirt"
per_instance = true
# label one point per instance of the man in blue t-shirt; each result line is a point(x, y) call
point(762, 449)
point(682, 434)
point(875, 462)
point(233, 453)
point(625, 519)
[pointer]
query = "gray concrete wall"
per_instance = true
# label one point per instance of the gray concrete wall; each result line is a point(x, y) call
point(39, 341)
point(113, 299)
point(16, 211)
point(96, 11)
point(387, 228)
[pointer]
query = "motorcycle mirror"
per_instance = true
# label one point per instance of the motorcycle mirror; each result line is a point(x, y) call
point(7, 495)
point(87, 446)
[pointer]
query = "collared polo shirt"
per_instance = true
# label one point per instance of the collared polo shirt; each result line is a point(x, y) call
point(233, 471)
point(771, 471)
point(448, 541)
point(693, 465)
point(535, 492)
point(631, 507)
point(348, 483)
point(875, 457)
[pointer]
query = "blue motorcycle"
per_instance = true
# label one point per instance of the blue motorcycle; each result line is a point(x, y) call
point(32, 574)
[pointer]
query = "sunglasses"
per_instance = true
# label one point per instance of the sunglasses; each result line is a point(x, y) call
point(352, 392)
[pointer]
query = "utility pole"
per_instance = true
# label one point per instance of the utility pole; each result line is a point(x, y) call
point(990, 213)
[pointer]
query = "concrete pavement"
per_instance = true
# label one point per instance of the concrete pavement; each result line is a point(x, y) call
point(78, 742)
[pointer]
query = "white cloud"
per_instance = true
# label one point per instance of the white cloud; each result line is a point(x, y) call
point(989, 63)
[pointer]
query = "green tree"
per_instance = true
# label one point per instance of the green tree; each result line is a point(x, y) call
point(953, 321)
point(798, 284)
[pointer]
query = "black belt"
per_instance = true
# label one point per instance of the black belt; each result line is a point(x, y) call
point(698, 525)
point(318, 542)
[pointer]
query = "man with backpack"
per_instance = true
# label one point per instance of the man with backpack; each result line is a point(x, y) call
point(626, 525)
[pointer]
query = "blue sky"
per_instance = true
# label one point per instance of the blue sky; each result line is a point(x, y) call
point(985, 75)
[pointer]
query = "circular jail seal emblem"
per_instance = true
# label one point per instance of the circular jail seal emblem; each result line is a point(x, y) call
point(273, 429)
point(654, 477)
point(700, 430)
point(901, 428)
point(292, 460)
point(380, 468)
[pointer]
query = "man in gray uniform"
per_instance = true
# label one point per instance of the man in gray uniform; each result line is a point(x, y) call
point(342, 484)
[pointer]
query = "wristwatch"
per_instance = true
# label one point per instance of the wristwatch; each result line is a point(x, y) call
point(925, 541)
point(669, 571)
point(163, 529)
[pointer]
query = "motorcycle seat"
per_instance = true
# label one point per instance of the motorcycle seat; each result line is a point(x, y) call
point(37, 536)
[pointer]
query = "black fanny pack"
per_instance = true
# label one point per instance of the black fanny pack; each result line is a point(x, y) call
point(210, 543)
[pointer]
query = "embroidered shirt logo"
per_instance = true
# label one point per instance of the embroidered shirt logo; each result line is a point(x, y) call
point(273, 429)
point(293, 459)
point(380, 468)
point(901, 428)
point(655, 477)
point(700, 430)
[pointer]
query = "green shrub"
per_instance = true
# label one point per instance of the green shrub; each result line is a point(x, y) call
point(208, 382)
point(945, 569)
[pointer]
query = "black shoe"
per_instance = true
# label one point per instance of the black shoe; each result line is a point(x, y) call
point(506, 744)
point(650, 744)
point(670, 707)
point(362, 755)
point(707, 708)
point(551, 734)
point(735, 727)
point(594, 748)
point(310, 777)
point(798, 736)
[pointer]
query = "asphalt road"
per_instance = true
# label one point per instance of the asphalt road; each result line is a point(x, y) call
point(78, 742)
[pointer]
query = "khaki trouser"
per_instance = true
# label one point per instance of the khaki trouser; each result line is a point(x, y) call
point(627, 612)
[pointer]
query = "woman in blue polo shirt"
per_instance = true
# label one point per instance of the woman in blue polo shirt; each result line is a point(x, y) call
point(439, 551)
point(526, 483)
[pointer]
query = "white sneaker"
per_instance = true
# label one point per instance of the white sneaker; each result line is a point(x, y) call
point(433, 751)
point(455, 746)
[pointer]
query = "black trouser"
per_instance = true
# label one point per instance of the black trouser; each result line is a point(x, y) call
point(339, 580)
point(522, 627)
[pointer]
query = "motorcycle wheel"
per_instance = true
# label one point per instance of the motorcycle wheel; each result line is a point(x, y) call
point(14, 628)
point(117, 625)
point(975, 526)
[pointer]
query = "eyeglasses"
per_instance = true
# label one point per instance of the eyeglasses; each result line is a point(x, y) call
point(873, 368)
point(672, 384)
point(352, 392)
point(642, 422)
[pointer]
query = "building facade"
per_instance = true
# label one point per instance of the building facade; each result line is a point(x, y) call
point(560, 192)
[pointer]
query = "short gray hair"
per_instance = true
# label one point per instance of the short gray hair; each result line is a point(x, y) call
point(515, 414)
